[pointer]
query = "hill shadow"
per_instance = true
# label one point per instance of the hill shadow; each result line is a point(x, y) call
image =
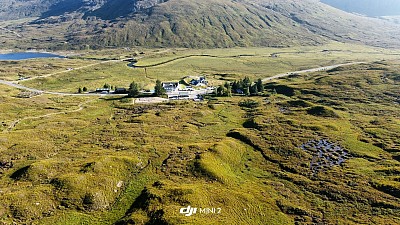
point(62, 7)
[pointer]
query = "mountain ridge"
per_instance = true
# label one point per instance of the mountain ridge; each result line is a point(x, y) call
point(202, 24)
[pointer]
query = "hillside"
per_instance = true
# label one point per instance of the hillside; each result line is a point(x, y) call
point(315, 148)
point(105, 9)
point(17, 9)
point(187, 23)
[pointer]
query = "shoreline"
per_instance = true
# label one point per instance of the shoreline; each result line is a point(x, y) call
point(3, 51)
point(60, 53)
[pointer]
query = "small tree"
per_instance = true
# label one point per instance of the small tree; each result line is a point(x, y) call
point(235, 86)
point(254, 90)
point(159, 89)
point(227, 84)
point(246, 91)
point(260, 86)
point(133, 89)
point(79, 90)
point(228, 91)
point(220, 90)
point(246, 82)
point(106, 86)
point(241, 85)
point(248, 103)
point(84, 89)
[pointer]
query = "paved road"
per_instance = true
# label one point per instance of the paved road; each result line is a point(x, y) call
point(16, 85)
point(309, 70)
point(13, 84)
point(19, 86)
point(78, 68)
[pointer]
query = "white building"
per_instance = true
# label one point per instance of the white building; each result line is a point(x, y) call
point(170, 86)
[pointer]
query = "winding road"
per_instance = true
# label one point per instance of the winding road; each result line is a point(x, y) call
point(78, 68)
point(19, 86)
point(81, 106)
point(16, 85)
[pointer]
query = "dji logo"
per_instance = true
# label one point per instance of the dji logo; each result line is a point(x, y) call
point(189, 211)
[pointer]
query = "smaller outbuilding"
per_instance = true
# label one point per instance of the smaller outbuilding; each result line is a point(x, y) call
point(121, 91)
point(102, 90)
point(199, 81)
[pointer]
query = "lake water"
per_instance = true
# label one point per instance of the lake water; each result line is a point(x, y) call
point(27, 55)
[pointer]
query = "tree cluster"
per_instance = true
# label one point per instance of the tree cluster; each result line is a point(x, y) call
point(84, 89)
point(134, 89)
point(244, 86)
point(224, 90)
point(108, 86)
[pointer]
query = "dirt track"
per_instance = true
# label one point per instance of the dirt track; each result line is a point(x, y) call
point(15, 123)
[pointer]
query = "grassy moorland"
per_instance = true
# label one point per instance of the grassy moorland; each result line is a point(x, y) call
point(218, 65)
point(114, 162)
point(13, 70)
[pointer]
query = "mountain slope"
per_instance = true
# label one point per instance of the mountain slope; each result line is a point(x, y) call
point(17, 9)
point(246, 23)
point(120, 8)
point(202, 24)
point(105, 9)
point(209, 23)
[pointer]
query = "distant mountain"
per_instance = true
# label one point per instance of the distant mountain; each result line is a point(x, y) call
point(112, 9)
point(367, 7)
point(190, 23)
point(16, 9)
point(105, 9)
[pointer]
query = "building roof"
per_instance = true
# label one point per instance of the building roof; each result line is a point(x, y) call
point(102, 89)
point(170, 83)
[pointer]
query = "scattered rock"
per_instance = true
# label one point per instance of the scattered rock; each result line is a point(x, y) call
point(28, 94)
point(120, 183)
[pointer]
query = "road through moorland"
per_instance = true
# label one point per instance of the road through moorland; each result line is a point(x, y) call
point(78, 68)
point(16, 85)
point(324, 68)
point(19, 86)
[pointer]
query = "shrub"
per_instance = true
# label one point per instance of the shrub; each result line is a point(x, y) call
point(248, 103)
point(322, 111)
point(297, 103)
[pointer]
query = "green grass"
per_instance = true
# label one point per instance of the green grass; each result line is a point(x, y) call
point(114, 161)
point(12, 70)
point(217, 66)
